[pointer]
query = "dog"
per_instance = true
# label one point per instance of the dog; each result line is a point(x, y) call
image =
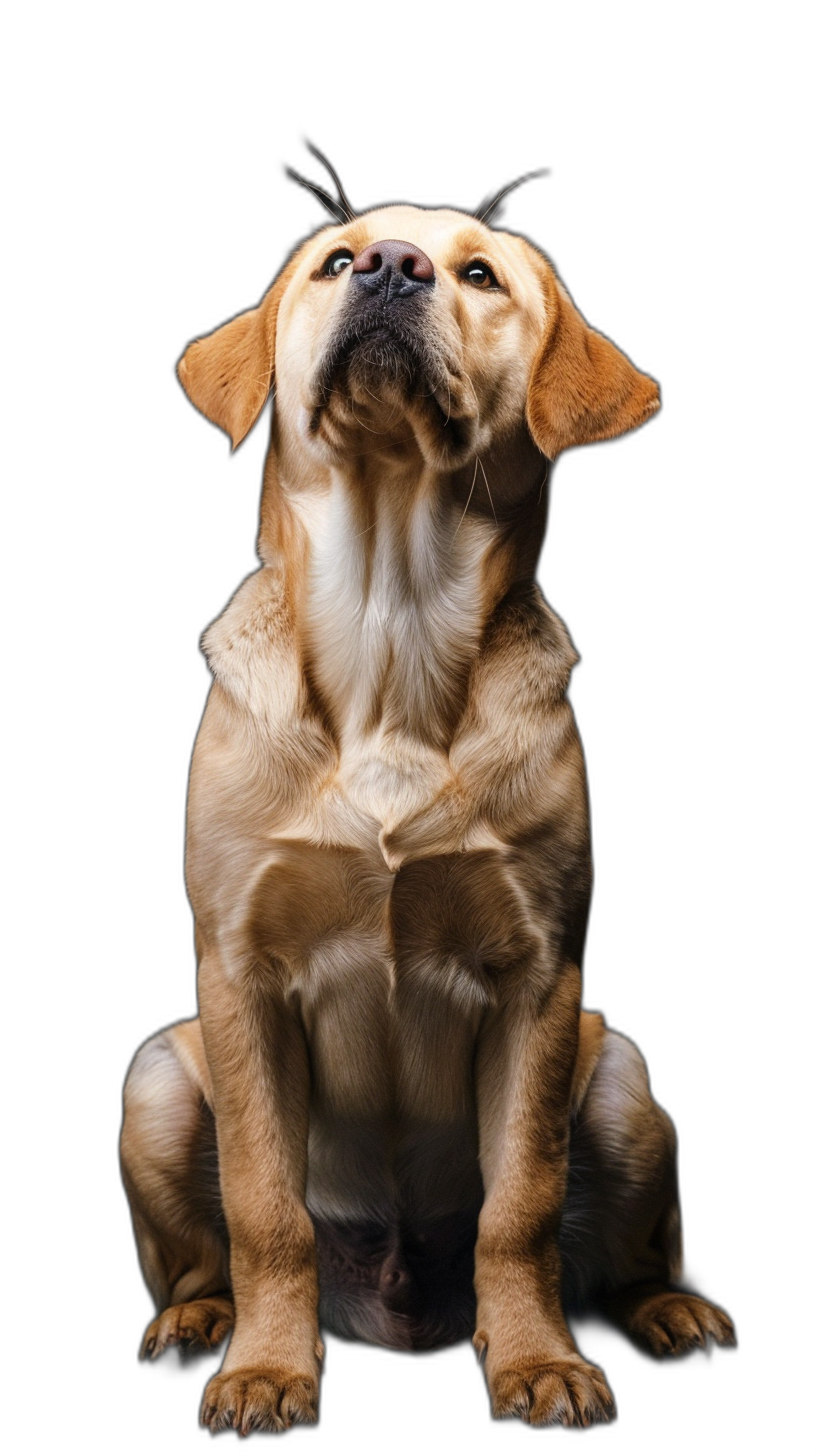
point(392, 1118)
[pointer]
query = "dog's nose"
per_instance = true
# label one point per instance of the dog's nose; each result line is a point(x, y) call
point(394, 268)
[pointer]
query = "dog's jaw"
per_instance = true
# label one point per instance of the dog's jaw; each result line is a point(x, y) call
point(345, 423)
point(386, 373)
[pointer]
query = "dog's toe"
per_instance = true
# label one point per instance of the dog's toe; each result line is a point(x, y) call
point(673, 1322)
point(569, 1392)
point(257, 1399)
point(199, 1325)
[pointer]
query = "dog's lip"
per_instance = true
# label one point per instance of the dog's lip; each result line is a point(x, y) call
point(358, 332)
point(379, 330)
point(439, 379)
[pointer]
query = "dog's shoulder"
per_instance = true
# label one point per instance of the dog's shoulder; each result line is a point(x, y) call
point(527, 650)
point(252, 648)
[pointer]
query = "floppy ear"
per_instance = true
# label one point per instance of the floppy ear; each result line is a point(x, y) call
point(582, 388)
point(228, 374)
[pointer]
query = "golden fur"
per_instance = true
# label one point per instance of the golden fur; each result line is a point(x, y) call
point(388, 860)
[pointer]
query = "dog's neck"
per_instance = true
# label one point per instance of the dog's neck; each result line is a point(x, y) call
point(394, 610)
point(393, 570)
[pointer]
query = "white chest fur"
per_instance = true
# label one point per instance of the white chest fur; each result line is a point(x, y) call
point(394, 615)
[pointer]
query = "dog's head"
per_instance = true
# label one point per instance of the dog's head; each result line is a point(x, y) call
point(424, 324)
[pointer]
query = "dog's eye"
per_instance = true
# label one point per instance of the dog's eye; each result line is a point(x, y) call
point(336, 262)
point(479, 275)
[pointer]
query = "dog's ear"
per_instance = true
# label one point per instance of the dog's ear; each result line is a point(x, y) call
point(582, 388)
point(228, 374)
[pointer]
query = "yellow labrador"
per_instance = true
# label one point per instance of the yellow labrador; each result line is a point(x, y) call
point(392, 1117)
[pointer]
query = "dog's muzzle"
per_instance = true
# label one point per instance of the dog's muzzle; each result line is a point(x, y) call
point(383, 335)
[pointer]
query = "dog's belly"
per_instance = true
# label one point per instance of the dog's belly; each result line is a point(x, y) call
point(391, 1006)
point(393, 1187)
point(400, 1285)
point(393, 1177)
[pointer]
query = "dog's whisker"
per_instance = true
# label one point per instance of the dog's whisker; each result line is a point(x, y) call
point(397, 440)
point(487, 204)
point(346, 203)
point(334, 208)
point(466, 376)
point(467, 502)
point(545, 477)
point(489, 496)
point(375, 397)
point(393, 443)
point(337, 211)
point(359, 422)
point(488, 217)
point(448, 415)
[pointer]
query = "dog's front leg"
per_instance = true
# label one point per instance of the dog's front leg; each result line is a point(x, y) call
point(257, 1056)
point(524, 1068)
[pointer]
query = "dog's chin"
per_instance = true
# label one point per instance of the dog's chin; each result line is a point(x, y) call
point(380, 366)
point(382, 386)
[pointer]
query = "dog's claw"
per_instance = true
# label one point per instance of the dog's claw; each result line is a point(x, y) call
point(258, 1399)
point(200, 1325)
point(672, 1322)
point(569, 1392)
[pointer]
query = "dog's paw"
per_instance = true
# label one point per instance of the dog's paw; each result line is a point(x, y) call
point(259, 1399)
point(571, 1392)
point(672, 1323)
point(200, 1325)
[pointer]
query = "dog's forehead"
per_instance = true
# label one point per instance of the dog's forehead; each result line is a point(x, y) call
point(433, 229)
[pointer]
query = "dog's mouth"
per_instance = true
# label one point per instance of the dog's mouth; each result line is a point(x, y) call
point(383, 365)
point(375, 348)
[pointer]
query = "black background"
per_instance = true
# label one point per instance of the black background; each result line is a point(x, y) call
point(638, 564)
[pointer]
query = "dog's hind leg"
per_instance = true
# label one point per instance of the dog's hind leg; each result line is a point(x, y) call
point(620, 1234)
point(170, 1172)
